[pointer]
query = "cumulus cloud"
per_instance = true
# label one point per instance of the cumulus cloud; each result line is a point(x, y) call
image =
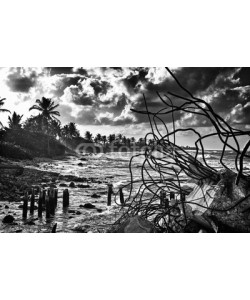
point(22, 79)
point(105, 96)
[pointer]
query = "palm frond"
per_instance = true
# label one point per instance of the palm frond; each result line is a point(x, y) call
point(36, 107)
point(55, 113)
point(53, 107)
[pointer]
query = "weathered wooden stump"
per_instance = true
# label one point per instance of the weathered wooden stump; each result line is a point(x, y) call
point(55, 197)
point(121, 197)
point(32, 201)
point(25, 206)
point(66, 198)
point(54, 228)
point(47, 206)
point(40, 203)
point(110, 191)
point(51, 201)
point(163, 199)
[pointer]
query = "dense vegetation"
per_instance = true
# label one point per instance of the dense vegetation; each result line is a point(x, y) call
point(43, 134)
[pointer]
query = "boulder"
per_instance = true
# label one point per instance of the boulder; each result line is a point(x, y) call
point(136, 224)
point(80, 164)
point(72, 184)
point(8, 219)
point(87, 205)
point(83, 186)
point(95, 196)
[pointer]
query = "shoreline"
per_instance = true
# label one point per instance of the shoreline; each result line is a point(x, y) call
point(76, 218)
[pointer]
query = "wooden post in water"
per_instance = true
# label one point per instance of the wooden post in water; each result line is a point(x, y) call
point(55, 197)
point(47, 205)
point(43, 196)
point(163, 199)
point(110, 191)
point(32, 201)
point(54, 228)
point(172, 198)
point(25, 206)
point(51, 201)
point(40, 203)
point(66, 198)
point(183, 199)
point(121, 197)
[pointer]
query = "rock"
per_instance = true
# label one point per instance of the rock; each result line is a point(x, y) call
point(8, 219)
point(53, 186)
point(6, 206)
point(78, 213)
point(88, 205)
point(18, 230)
point(136, 224)
point(95, 196)
point(72, 184)
point(99, 210)
point(78, 179)
point(80, 164)
point(30, 223)
point(81, 228)
point(83, 186)
point(83, 159)
point(71, 211)
point(63, 184)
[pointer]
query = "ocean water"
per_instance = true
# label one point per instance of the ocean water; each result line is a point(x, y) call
point(115, 167)
point(100, 170)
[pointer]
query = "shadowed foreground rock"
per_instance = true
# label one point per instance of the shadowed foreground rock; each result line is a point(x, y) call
point(136, 224)
point(235, 212)
point(229, 210)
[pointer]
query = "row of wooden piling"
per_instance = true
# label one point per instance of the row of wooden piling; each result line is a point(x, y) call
point(110, 192)
point(47, 199)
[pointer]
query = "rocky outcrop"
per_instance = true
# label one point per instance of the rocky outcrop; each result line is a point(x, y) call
point(136, 224)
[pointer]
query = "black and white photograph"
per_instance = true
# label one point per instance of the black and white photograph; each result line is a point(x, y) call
point(126, 150)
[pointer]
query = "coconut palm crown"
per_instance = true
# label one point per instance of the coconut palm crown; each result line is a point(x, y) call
point(47, 108)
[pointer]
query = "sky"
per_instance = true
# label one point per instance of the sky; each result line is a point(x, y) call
point(100, 99)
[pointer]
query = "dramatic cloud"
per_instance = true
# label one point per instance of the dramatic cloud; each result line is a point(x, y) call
point(105, 96)
point(21, 80)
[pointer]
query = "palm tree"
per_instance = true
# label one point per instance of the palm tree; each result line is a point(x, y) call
point(47, 109)
point(88, 136)
point(98, 138)
point(111, 138)
point(15, 121)
point(2, 109)
point(73, 131)
point(104, 139)
point(124, 140)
